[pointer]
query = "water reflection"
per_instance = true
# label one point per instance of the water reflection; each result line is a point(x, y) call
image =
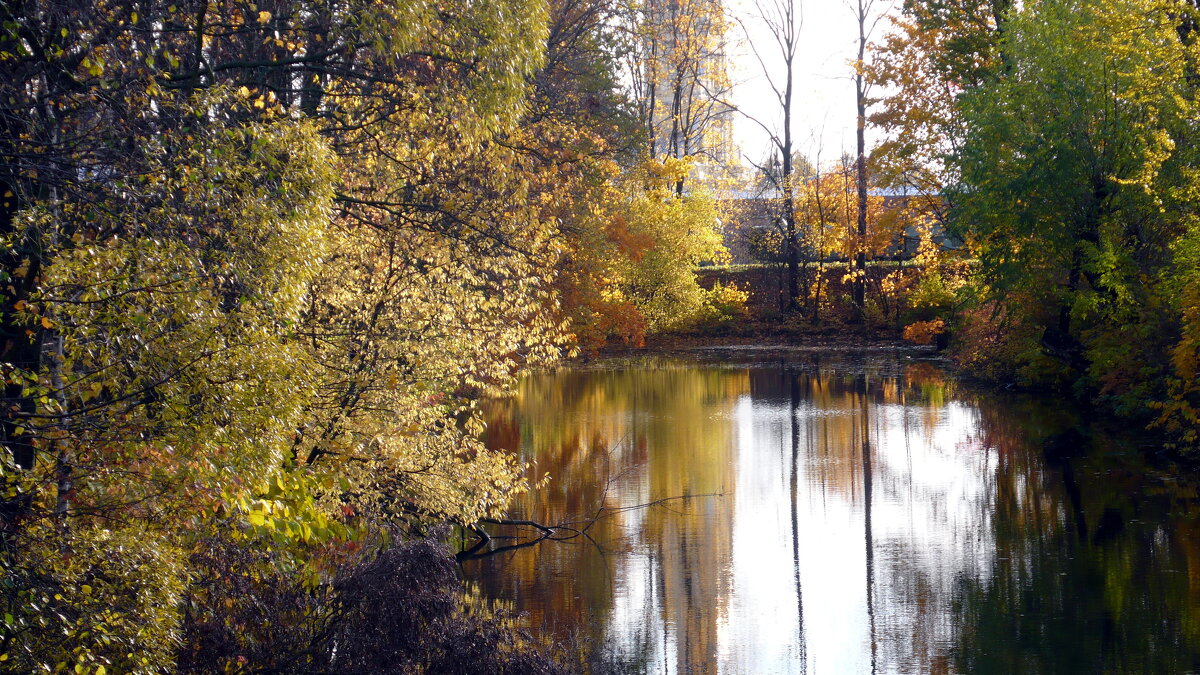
point(843, 514)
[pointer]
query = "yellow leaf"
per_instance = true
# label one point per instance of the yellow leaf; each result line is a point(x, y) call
point(47, 323)
point(264, 17)
point(243, 92)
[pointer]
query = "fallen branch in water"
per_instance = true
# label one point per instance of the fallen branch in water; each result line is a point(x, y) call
point(565, 531)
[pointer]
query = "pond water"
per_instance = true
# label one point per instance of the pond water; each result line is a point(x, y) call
point(758, 511)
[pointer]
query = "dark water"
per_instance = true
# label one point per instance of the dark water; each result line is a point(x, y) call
point(840, 513)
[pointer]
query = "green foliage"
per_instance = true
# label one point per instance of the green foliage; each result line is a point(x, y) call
point(932, 297)
point(194, 298)
point(174, 376)
point(1077, 194)
point(1179, 412)
point(635, 248)
point(931, 292)
point(681, 232)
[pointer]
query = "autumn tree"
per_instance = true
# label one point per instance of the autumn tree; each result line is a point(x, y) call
point(628, 248)
point(863, 11)
point(675, 63)
point(933, 52)
point(783, 20)
point(828, 211)
point(259, 259)
point(1078, 197)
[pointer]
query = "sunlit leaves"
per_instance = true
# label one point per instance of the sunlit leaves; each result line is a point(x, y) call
point(635, 243)
point(180, 373)
point(104, 602)
point(263, 261)
point(1075, 167)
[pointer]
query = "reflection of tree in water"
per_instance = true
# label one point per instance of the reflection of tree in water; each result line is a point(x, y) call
point(1097, 565)
point(969, 543)
point(849, 422)
point(879, 441)
point(617, 439)
point(1078, 609)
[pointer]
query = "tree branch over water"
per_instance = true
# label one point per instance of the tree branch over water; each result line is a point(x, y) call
point(564, 531)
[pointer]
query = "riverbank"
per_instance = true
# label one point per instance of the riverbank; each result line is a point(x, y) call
point(763, 321)
point(766, 336)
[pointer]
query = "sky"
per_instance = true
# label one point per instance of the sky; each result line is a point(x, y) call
point(823, 109)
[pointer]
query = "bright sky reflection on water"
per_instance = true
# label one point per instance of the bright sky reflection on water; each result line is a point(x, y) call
point(865, 516)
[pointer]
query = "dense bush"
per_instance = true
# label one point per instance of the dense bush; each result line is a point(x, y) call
point(396, 610)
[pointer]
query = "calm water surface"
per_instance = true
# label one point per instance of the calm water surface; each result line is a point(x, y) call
point(840, 512)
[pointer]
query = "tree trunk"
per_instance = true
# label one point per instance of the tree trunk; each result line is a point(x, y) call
point(789, 203)
point(860, 256)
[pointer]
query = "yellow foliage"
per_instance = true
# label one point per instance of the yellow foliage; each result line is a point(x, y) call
point(827, 216)
point(634, 246)
point(924, 332)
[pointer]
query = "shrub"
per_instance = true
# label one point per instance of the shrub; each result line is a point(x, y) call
point(393, 609)
point(722, 303)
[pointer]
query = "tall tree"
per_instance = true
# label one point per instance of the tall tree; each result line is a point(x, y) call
point(1075, 168)
point(676, 64)
point(783, 20)
point(866, 19)
point(209, 330)
point(934, 52)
